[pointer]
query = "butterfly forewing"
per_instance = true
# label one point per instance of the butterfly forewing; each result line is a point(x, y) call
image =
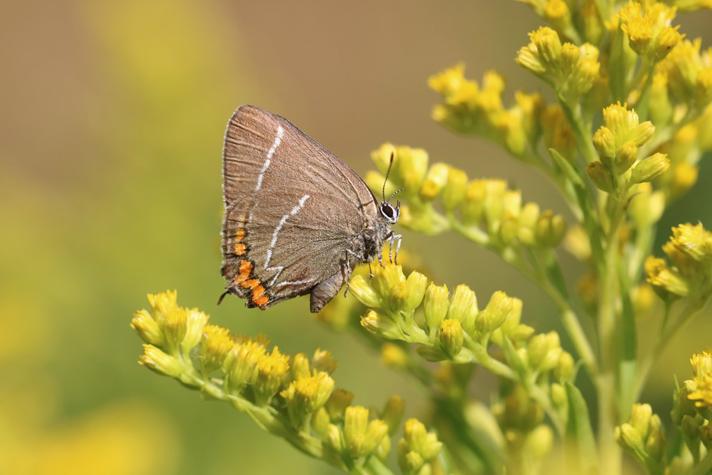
point(291, 208)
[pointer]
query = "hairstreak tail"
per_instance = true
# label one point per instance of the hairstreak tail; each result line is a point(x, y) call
point(297, 219)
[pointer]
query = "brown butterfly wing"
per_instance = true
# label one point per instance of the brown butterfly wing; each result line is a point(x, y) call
point(291, 210)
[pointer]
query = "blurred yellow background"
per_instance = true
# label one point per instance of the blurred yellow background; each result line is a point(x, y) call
point(110, 140)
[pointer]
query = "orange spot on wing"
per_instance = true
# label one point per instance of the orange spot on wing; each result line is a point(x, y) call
point(240, 234)
point(250, 284)
point(257, 292)
point(240, 249)
point(245, 270)
point(261, 301)
point(258, 296)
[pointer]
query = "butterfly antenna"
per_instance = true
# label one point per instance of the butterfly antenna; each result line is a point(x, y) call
point(395, 193)
point(388, 173)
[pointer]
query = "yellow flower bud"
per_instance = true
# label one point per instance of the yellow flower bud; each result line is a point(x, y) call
point(339, 400)
point(463, 307)
point(272, 372)
point(320, 422)
point(416, 284)
point(373, 322)
point(195, 322)
point(362, 290)
point(361, 437)
point(538, 443)
point(499, 308)
point(434, 182)
point(650, 168)
point(646, 207)
point(174, 325)
point(410, 461)
point(214, 347)
point(558, 395)
point(664, 280)
point(300, 366)
point(381, 157)
point(241, 363)
point(323, 361)
point(640, 417)
point(600, 175)
point(435, 305)
point(473, 206)
point(565, 367)
point(699, 389)
point(147, 328)
point(448, 81)
point(393, 413)
point(394, 356)
point(544, 351)
point(684, 177)
point(577, 243)
point(547, 45)
point(550, 229)
point(411, 165)
point(306, 395)
point(455, 188)
point(416, 438)
point(160, 362)
point(451, 337)
point(627, 154)
point(528, 218)
point(605, 142)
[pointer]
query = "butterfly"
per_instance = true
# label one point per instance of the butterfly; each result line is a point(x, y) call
point(297, 219)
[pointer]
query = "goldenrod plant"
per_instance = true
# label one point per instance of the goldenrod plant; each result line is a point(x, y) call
point(619, 126)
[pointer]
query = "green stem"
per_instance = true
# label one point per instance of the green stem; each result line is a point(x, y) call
point(606, 382)
point(556, 289)
point(375, 466)
point(581, 130)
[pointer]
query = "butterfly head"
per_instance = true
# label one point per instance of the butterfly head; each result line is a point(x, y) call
point(389, 212)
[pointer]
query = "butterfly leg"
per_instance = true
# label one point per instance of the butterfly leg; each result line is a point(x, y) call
point(394, 241)
point(346, 269)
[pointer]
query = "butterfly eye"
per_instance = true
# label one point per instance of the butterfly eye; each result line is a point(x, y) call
point(388, 212)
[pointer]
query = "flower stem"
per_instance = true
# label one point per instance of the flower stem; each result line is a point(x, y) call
point(606, 382)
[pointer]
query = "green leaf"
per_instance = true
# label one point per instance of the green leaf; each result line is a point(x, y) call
point(566, 167)
point(579, 435)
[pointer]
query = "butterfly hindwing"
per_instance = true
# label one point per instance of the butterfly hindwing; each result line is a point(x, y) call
point(292, 209)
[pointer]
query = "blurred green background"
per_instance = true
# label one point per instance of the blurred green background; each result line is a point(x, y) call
point(110, 141)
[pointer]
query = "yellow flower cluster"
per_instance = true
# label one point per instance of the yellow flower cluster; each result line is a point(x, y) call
point(468, 107)
point(689, 75)
point(692, 405)
point(452, 326)
point(523, 426)
point(570, 69)
point(699, 389)
point(643, 436)
point(647, 27)
point(482, 209)
point(293, 397)
point(689, 249)
point(618, 142)
point(418, 449)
